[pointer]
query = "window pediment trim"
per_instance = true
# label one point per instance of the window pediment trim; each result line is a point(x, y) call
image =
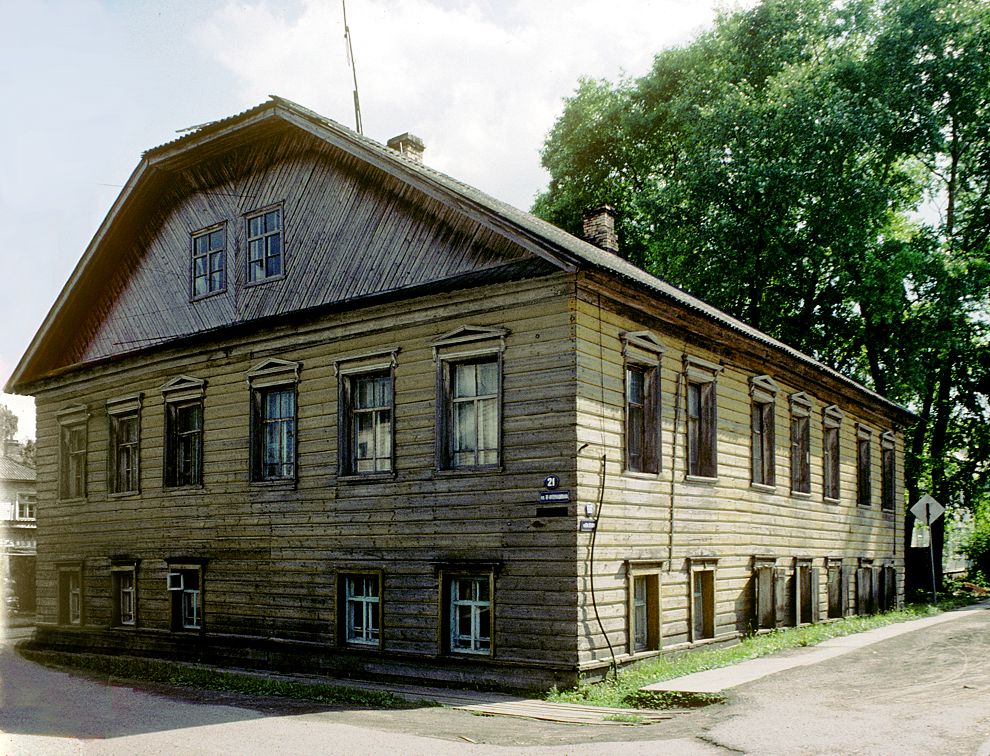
point(125, 404)
point(642, 345)
point(888, 440)
point(832, 416)
point(763, 388)
point(469, 334)
point(182, 388)
point(702, 562)
point(801, 404)
point(379, 359)
point(74, 414)
point(863, 433)
point(273, 372)
point(700, 371)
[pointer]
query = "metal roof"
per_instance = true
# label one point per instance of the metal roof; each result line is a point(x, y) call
point(11, 469)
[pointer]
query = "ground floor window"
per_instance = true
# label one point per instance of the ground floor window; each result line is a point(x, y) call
point(362, 609)
point(70, 595)
point(644, 606)
point(469, 613)
point(185, 584)
point(124, 586)
point(764, 598)
point(836, 589)
point(702, 598)
point(805, 592)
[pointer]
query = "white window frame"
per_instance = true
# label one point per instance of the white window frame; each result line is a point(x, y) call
point(25, 506)
point(264, 238)
point(186, 596)
point(119, 572)
point(474, 644)
point(369, 635)
point(273, 375)
point(350, 370)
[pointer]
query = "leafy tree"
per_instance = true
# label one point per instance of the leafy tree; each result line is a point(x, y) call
point(820, 169)
point(8, 424)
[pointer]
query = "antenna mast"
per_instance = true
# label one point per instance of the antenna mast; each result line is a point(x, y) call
point(350, 61)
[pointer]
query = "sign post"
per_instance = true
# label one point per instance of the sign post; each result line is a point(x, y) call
point(927, 510)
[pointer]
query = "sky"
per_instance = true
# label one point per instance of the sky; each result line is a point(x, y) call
point(88, 85)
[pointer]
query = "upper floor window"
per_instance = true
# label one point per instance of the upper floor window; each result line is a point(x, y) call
point(264, 245)
point(864, 437)
point(209, 261)
point(24, 507)
point(183, 431)
point(366, 408)
point(72, 452)
point(125, 444)
point(831, 421)
point(642, 352)
point(888, 470)
point(800, 443)
point(763, 393)
point(701, 417)
point(469, 386)
point(273, 420)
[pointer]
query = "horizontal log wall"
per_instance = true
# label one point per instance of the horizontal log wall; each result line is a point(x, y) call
point(666, 518)
point(274, 549)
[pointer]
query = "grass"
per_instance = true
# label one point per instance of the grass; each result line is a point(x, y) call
point(132, 669)
point(624, 691)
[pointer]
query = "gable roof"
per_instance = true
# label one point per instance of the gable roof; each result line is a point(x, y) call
point(548, 242)
point(11, 469)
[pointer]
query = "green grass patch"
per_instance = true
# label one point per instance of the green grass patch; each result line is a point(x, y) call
point(624, 691)
point(133, 669)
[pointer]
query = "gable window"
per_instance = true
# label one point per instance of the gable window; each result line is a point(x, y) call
point(185, 585)
point(800, 443)
point(469, 385)
point(264, 245)
point(642, 352)
point(124, 585)
point(183, 431)
point(25, 506)
point(273, 420)
point(70, 596)
point(888, 470)
point(362, 609)
point(763, 393)
point(470, 613)
point(367, 406)
point(209, 266)
point(644, 605)
point(701, 417)
point(864, 437)
point(831, 421)
point(125, 439)
point(72, 452)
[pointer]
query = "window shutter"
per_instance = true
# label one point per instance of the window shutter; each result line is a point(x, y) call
point(707, 440)
point(651, 421)
point(815, 581)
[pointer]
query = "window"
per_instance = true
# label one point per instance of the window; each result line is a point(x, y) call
point(185, 584)
point(209, 265)
point(70, 597)
point(764, 593)
point(836, 588)
point(888, 470)
point(867, 587)
point(831, 420)
point(470, 614)
point(125, 437)
point(469, 398)
point(362, 609)
point(805, 592)
point(642, 352)
point(72, 452)
point(863, 466)
point(763, 392)
point(183, 431)
point(25, 506)
point(701, 418)
point(367, 405)
point(644, 606)
point(702, 573)
point(800, 443)
point(124, 586)
point(273, 419)
point(264, 245)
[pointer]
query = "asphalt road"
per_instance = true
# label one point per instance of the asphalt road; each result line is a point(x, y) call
point(924, 692)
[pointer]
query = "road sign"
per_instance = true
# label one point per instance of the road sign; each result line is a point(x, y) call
point(927, 509)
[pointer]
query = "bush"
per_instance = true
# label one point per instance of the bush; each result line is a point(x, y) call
point(978, 546)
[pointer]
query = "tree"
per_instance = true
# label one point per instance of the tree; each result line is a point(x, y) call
point(8, 424)
point(821, 170)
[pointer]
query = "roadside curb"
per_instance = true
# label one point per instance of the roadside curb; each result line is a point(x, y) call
point(721, 679)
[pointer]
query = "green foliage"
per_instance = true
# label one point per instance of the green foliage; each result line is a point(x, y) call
point(978, 547)
point(821, 170)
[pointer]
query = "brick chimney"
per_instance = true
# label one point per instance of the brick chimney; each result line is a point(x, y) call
point(599, 228)
point(409, 145)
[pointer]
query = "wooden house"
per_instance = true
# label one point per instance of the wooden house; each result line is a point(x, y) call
point(18, 503)
point(306, 402)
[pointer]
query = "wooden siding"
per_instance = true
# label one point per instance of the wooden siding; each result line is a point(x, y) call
point(273, 549)
point(350, 231)
point(669, 519)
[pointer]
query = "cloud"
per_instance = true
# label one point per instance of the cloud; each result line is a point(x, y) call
point(480, 82)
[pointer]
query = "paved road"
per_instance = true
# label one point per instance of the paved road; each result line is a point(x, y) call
point(924, 692)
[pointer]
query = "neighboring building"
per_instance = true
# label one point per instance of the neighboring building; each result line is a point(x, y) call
point(18, 547)
point(308, 402)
